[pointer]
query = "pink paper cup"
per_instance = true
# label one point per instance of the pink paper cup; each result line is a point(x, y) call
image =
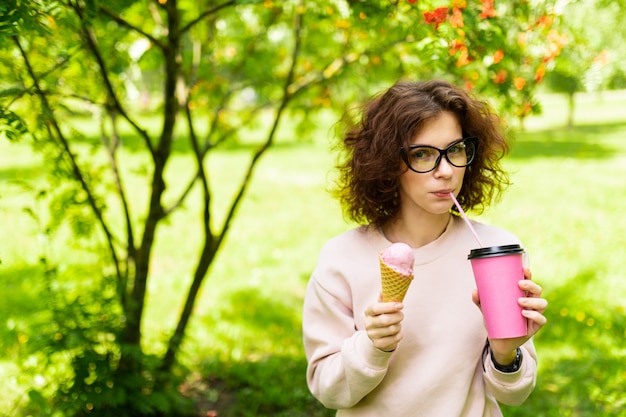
point(497, 271)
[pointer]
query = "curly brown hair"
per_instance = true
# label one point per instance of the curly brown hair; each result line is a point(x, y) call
point(370, 162)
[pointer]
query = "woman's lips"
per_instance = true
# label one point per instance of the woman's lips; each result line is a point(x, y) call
point(442, 193)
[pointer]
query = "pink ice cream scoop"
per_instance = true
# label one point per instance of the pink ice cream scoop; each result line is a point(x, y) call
point(396, 271)
point(399, 257)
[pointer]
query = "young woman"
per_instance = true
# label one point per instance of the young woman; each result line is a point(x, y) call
point(428, 356)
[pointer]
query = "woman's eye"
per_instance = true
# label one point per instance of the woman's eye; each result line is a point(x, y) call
point(458, 148)
point(421, 154)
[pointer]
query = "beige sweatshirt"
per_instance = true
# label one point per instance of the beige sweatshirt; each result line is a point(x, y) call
point(437, 369)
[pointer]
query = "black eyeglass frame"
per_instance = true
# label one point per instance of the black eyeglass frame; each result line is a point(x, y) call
point(442, 152)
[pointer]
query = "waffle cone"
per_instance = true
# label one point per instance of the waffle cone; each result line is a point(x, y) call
point(394, 284)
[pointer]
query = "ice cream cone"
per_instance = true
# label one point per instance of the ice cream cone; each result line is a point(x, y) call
point(394, 284)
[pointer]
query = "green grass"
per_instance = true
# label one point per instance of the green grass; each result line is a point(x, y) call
point(244, 346)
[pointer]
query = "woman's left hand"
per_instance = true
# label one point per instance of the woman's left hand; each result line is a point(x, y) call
point(533, 307)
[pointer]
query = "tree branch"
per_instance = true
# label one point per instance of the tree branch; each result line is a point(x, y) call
point(287, 96)
point(214, 117)
point(333, 69)
point(206, 13)
point(123, 22)
point(43, 75)
point(212, 244)
point(92, 43)
point(76, 172)
point(111, 148)
point(161, 154)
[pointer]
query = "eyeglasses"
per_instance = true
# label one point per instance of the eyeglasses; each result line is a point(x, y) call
point(423, 158)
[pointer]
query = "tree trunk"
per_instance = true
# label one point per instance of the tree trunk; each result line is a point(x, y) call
point(571, 104)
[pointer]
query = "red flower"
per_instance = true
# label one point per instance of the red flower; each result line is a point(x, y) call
point(545, 20)
point(463, 59)
point(500, 77)
point(540, 73)
point(436, 17)
point(412, 1)
point(487, 9)
point(457, 18)
point(498, 56)
point(455, 46)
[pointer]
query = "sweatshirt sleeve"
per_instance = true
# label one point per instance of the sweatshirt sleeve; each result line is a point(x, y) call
point(343, 364)
point(515, 387)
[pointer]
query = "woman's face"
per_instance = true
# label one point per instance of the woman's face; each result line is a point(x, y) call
point(428, 193)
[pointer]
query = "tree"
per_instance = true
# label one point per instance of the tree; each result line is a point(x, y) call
point(211, 70)
point(592, 53)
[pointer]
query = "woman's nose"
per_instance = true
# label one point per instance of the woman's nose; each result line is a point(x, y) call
point(444, 169)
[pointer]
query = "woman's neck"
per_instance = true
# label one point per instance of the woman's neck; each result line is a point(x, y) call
point(416, 232)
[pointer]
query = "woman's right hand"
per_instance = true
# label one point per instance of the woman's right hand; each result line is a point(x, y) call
point(383, 325)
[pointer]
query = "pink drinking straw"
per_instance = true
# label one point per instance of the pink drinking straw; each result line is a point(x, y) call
point(467, 222)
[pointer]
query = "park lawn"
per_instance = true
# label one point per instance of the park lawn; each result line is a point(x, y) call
point(244, 346)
